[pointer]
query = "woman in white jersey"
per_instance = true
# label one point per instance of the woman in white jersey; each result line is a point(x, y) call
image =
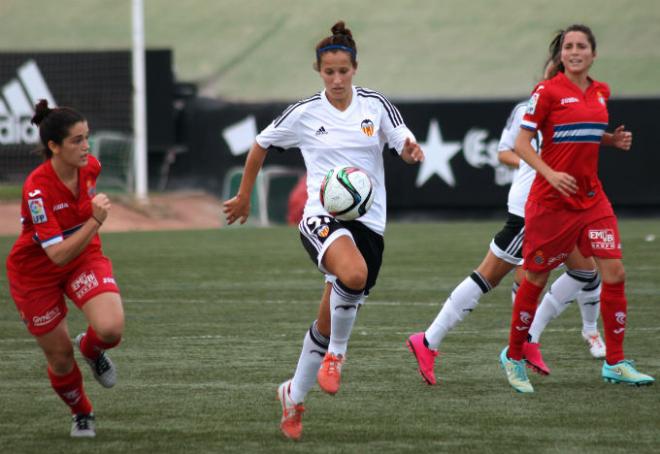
point(341, 125)
point(504, 255)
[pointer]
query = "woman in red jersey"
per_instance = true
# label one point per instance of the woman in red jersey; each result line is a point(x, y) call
point(59, 253)
point(568, 217)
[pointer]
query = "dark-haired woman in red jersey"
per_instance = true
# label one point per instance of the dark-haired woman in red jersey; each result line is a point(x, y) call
point(568, 217)
point(58, 253)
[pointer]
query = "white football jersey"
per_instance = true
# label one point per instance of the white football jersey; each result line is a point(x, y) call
point(329, 137)
point(524, 176)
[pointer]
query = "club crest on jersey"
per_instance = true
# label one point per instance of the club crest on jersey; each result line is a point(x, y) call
point(91, 189)
point(367, 127)
point(601, 98)
point(37, 210)
point(323, 231)
point(538, 257)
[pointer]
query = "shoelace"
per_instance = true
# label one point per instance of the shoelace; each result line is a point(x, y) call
point(519, 370)
point(102, 365)
point(82, 422)
point(298, 410)
point(595, 340)
point(334, 365)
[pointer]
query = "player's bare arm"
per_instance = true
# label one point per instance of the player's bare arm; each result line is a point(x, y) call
point(561, 181)
point(67, 250)
point(412, 153)
point(509, 158)
point(238, 207)
point(620, 138)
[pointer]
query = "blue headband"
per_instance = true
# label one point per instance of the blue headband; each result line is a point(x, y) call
point(335, 47)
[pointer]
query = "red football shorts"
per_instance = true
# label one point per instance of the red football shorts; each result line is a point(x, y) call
point(551, 235)
point(41, 304)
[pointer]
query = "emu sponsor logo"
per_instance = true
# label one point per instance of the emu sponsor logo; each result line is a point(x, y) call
point(602, 239)
point(45, 319)
point(84, 283)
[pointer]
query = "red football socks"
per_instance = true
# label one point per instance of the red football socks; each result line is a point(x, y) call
point(524, 309)
point(91, 345)
point(70, 389)
point(613, 309)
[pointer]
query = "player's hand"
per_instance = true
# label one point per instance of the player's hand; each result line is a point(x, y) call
point(412, 152)
point(621, 138)
point(563, 182)
point(100, 207)
point(237, 208)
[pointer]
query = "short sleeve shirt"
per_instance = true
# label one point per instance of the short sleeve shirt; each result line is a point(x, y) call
point(50, 213)
point(328, 137)
point(572, 123)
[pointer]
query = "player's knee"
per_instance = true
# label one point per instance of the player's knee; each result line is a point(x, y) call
point(110, 331)
point(356, 278)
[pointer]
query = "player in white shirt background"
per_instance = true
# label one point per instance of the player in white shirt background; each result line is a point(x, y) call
point(505, 254)
point(341, 125)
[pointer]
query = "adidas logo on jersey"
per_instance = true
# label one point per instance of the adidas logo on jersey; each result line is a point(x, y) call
point(19, 96)
point(321, 131)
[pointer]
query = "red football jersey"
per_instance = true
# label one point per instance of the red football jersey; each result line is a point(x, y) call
point(49, 214)
point(572, 124)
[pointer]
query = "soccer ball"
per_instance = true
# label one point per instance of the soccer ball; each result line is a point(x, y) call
point(346, 192)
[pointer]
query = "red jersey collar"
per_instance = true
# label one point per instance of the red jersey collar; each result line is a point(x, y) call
point(562, 78)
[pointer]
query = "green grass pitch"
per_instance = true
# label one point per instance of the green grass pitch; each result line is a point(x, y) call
point(215, 321)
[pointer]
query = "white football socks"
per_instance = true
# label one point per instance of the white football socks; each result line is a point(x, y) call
point(461, 302)
point(562, 292)
point(314, 348)
point(589, 302)
point(343, 310)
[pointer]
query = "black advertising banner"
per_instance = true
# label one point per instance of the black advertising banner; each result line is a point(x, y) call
point(460, 139)
point(98, 84)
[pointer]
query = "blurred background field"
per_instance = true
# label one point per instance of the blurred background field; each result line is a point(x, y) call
point(215, 320)
point(418, 49)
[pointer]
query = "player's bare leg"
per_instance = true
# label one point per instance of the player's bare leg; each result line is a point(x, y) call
point(66, 379)
point(292, 392)
point(580, 272)
point(105, 315)
point(463, 299)
point(343, 259)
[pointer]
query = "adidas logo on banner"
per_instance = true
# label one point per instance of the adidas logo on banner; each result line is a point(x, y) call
point(17, 102)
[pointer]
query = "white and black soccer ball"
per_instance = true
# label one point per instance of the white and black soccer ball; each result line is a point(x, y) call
point(346, 192)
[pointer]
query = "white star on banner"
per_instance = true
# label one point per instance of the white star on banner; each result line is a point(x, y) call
point(437, 155)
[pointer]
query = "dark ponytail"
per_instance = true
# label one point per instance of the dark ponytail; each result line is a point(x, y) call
point(54, 124)
point(341, 39)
